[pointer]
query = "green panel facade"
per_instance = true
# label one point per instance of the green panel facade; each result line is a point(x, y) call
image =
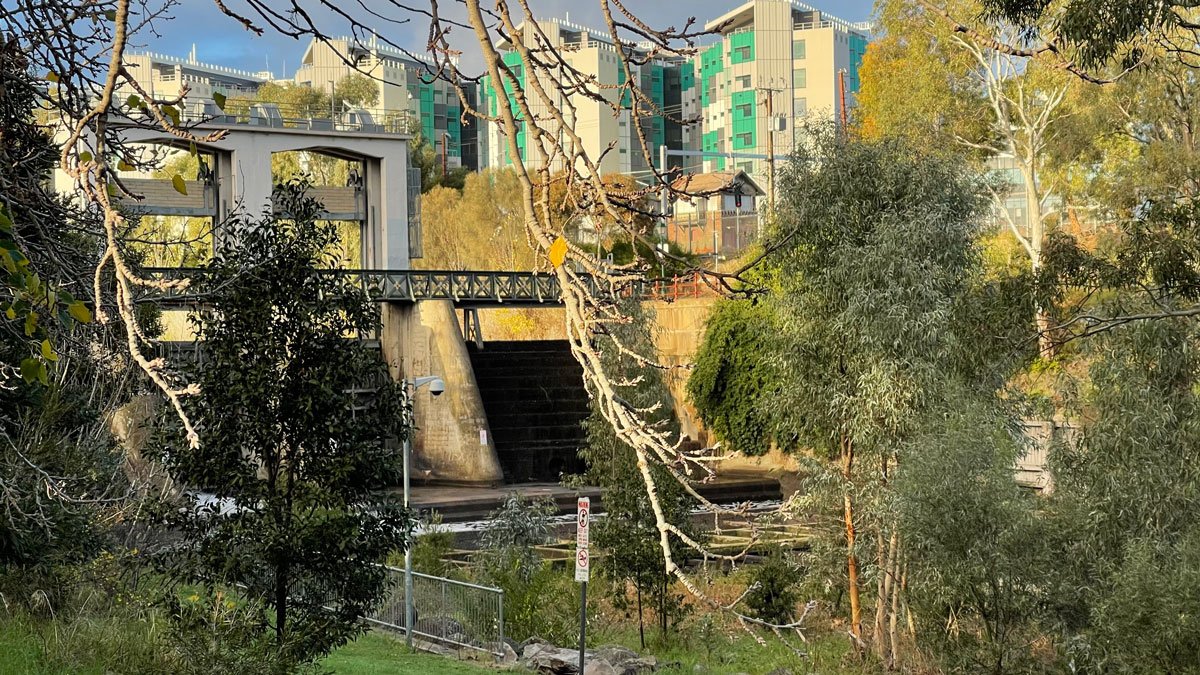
point(513, 61)
point(711, 64)
point(710, 142)
point(744, 130)
point(687, 76)
point(741, 47)
point(425, 96)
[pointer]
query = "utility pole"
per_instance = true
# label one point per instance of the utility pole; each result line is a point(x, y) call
point(842, 98)
point(770, 103)
point(445, 151)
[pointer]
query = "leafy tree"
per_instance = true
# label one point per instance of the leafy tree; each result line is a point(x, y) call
point(993, 102)
point(733, 377)
point(1122, 31)
point(976, 559)
point(479, 227)
point(60, 472)
point(877, 310)
point(917, 85)
point(772, 593)
point(295, 101)
point(1127, 539)
point(538, 600)
point(292, 455)
point(356, 90)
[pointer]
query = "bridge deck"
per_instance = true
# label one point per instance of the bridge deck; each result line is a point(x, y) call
point(465, 289)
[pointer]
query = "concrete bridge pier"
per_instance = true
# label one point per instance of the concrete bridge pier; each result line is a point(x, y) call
point(453, 443)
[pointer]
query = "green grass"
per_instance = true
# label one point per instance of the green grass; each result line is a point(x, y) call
point(735, 651)
point(380, 654)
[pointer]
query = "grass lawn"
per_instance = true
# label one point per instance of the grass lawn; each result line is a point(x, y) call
point(380, 654)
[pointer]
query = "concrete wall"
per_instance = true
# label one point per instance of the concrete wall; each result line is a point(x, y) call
point(678, 334)
point(453, 443)
point(679, 331)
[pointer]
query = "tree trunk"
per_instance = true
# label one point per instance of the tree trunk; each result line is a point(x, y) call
point(281, 601)
point(641, 619)
point(662, 606)
point(1036, 238)
point(851, 556)
point(892, 633)
point(880, 644)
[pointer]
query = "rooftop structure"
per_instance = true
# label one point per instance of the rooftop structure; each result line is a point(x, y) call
point(406, 90)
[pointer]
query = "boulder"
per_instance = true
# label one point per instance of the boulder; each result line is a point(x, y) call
point(615, 654)
point(510, 655)
point(639, 665)
point(501, 652)
point(598, 666)
point(535, 640)
point(545, 658)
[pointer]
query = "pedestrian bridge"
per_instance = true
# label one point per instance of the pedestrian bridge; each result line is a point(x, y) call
point(465, 289)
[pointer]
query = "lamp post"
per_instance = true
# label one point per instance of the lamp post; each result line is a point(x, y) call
point(436, 387)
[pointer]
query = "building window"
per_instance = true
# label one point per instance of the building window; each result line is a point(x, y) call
point(799, 50)
point(745, 140)
point(740, 54)
point(745, 110)
point(799, 107)
point(743, 81)
point(800, 78)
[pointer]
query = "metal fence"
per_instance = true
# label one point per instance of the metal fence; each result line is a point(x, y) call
point(446, 611)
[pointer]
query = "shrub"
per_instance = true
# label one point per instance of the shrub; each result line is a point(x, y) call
point(772, 596)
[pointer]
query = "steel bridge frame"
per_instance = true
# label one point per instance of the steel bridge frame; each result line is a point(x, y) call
point(465, 289)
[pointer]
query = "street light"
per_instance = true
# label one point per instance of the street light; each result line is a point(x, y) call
point(436, 387)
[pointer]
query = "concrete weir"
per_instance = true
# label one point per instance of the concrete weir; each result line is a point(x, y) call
point(453, 443)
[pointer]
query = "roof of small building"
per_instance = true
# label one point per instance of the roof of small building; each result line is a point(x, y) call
point(716, 182)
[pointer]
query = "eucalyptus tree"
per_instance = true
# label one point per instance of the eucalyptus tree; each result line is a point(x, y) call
point(881, 317)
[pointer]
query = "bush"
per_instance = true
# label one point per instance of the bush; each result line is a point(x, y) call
point(538, 600)
point(431, 550)
point(772, 596)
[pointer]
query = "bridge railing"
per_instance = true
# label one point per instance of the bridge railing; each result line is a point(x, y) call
point(466, 288)
point(463, 288)
point(447, 611)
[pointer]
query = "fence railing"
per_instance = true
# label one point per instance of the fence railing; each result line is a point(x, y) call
point(725, 232)
point(446, 611)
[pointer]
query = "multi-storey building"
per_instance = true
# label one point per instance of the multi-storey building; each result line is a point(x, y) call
point(593, 53)
point(163, 76)
point(776, 64)
point(406, 88)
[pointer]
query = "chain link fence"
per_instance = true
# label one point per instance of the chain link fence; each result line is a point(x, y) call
point(446, 611)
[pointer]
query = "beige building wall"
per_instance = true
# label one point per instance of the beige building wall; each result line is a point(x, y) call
point(164, 76)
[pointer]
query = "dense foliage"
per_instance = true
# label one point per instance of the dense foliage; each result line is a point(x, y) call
point(60, 472)
point(539, 601)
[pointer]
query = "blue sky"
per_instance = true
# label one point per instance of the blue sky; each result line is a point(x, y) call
point(221, 41)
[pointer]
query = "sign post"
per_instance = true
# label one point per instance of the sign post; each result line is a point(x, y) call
point(583, 516)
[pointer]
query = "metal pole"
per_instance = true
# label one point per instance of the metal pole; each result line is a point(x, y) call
point(582, 622)
point(408, 579)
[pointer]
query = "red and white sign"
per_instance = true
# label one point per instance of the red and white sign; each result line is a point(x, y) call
point(583, 514)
